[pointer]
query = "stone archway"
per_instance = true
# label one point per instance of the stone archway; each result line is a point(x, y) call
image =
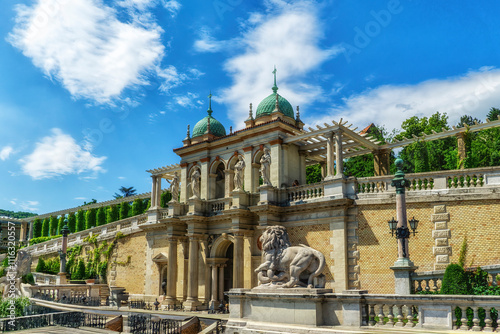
point(221, 264)
point(161, 261)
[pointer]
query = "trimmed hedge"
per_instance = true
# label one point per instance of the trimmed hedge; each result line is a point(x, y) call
point(455, 281)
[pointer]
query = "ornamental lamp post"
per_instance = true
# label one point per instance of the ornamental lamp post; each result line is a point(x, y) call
point(403, 267)
point(62, 253)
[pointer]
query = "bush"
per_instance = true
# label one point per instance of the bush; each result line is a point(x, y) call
point(19, 305)
point(37, 228)
point(28, 279)
point(455, 281)
point(40, 266)
point(38, 240)
point(79, 273)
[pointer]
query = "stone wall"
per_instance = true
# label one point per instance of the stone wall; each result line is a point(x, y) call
point(131, 275)
point(475, 219)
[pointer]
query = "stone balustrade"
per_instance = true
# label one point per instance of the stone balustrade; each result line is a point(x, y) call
point(306, 192)
point(215, 206)
point(431, 280)
point(56, 292)
point(104, 232)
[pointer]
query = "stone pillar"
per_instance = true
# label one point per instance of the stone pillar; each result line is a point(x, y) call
point(221, 282)
point(323, 169)
point(339, 155)
point(153, 192)
point(249, 170)
point(302, 175)
point(204, 180)
point(238, 261)
point(228, 182)
point(171, 272)
point(31, 231)
point(462, 153)
point(192, 290)
point(23, 233)
point(158, 191)
point(441, 235)
point(330, 171)
point(62, 269)
point(276, 175)
point(381, 162)
point(403, 267)
point(183, 186)
point(213, 302)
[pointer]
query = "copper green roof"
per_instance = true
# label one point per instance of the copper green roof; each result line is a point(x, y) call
point(267, 106)
point(216, 128)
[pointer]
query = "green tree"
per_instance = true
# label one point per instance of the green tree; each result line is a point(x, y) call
point(72, 222)
point(90, 218)
point(493, 114)
point(45, 227)
point(93, 201)
point(146, 204)
point(101, 216)
point(165, 198)
point(60, 224)
point(80, 221)
point(52, 226)
point(124, 210)
point(313, 174)
point(37, 228)
point(40, 266)
point(125, 192)
point(112, 214)
point(137, 207)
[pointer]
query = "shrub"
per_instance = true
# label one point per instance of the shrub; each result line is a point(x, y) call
point(38, 240)
point(72, 222)
point(455, 281)
point(60, 224)
point(37, 228)
point(52, 226)
point(124, 210)
point(19, 305)
point(112, 214)
point(40, 266)
point(28, 278)
point(90, 218)
point(45, 227)
point(80, 221)
point(165, 198)
point(137, 207)
point(101, 216)
point(79, 273)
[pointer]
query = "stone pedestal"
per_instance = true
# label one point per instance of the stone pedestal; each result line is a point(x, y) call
point(61, 279)
point(259, 310)
point(191, 305)
point(403, 268)
point(175, 209)
point(240, 199)
point(117, 295)
point(340, 188)
point(267, 194)
point(195, 206)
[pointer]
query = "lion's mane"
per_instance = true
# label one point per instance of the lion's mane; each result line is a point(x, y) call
point(275, 238)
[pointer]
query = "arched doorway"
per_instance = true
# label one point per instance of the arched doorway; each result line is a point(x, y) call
point(221, 263)
point(220, 181)
point(228, 269)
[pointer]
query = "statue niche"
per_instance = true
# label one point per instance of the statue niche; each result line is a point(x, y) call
point(287, 266)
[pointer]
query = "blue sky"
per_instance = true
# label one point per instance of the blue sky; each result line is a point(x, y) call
point(94, 92)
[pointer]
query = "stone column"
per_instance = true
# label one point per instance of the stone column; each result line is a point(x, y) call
point(158, 191)
point(462, 153)
point(403, 267)
point(171, 272)
point(192, 290)
point(221, 282)
point(228, 182)
point(238, 261)
point(381, 162)
point(213, 302)
point(276, 175)
point(330, 171)
point(62, 255)
point(249, 170)
point(31, 231)
point(184, 182)
point(23, 232)
point(339, 155)
point(205, 180)
point(153, 192)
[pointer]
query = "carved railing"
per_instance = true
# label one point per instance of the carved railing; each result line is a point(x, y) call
point(305, 192)
point(476, 313)
point(441, 180)
point(431, 280)
point(108, 231)
point(215, 206)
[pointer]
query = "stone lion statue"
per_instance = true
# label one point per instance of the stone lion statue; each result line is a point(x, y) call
point(287, 266)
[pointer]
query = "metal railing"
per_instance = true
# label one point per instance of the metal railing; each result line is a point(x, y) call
point(65, 319)
point(140, 324)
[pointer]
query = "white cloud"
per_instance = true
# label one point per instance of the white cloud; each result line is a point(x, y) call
point(83, 45)
point(13, 201)
point(288, 36)
point(29, 206)
point(81, 198)
point(172, 6)
point(473, 93)
point(59, 154)
point(5, 152)
point(188, 100)
point(121, 177)
point(207, 43)
point(171, 78)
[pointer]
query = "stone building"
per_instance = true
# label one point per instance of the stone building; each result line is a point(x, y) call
point(207, 240)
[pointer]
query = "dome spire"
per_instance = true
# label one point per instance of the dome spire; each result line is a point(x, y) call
point(275, 87)
point(210, 111)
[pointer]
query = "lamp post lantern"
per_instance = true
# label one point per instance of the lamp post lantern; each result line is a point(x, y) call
point(62, 253)
point(403, 267)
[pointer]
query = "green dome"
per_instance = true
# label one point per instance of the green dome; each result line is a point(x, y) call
point(267, 106)
point(216, 128)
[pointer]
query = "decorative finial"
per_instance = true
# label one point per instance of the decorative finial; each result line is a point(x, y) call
point(210, 104)
point(250, 112)
point(297, 115)
point(275, 87)
point(187, 136)
point(230, 130)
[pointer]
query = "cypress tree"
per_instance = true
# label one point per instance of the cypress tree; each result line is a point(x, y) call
point(37, 228)
point(45, 227)
point(80, 221)
point(52, 226)
point(72, 222)
point(124, 210)
point(455, 281)
point(137, 207)
point(40, 266)
point(90, 218)
point(60, 224)
point(101, 216)
point(112, 214)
